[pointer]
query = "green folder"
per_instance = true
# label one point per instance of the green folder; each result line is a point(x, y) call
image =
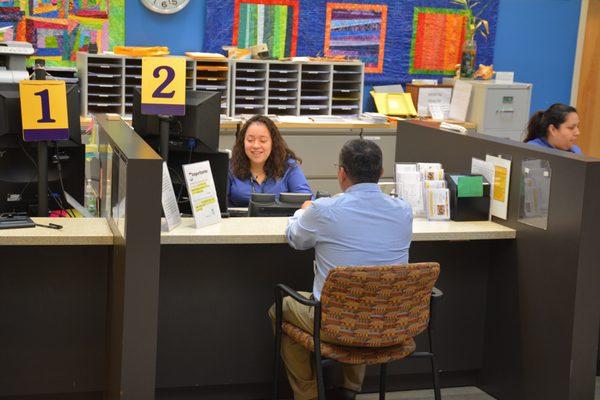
point(470, 186)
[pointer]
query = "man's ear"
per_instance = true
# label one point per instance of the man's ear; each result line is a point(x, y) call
point(381, 174)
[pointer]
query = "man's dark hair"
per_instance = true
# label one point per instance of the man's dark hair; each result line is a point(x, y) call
point(361, 159)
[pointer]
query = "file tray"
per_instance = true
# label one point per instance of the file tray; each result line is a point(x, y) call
point(471, 208)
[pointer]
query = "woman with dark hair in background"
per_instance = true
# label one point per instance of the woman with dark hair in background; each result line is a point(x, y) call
point(555, 128)
point(261, 162)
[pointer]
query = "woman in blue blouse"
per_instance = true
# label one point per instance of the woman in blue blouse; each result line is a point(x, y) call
point(555, 128)
point(261, 162)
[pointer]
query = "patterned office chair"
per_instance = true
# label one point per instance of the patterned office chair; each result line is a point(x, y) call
point(373, 311)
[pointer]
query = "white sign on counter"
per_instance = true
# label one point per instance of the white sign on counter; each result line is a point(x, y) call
point(429, 96)
point(202, 193)
point(169, 201)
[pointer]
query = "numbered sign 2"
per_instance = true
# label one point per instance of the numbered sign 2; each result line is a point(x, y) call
point(163, 85)
point(44, 110)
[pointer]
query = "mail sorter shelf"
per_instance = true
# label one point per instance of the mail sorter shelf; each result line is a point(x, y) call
point(295, 88)
point(315, 89)
point(283, 88)
point(101, 81)
point(117, 76)
point(347, 89)
point(249, 87)
point(213, 76)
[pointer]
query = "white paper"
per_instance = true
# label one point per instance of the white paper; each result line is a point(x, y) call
point(505, 77)
point(438, 204)
point(487, 170)
point(409, 188)
point(461, 97)
point(202, 193)
point(169, 201)
point(429, 96)
point(500, 186)
point(439, 111)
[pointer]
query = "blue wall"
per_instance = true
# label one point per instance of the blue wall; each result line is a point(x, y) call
point(536, 39)
point(181, 32)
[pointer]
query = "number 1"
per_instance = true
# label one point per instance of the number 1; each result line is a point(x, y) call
point(45, 98)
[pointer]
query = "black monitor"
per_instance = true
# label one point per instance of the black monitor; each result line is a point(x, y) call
point(266, 204)
point(202, 121)
point(18, 159)
point(219, 166)
point(18, 174)
point(10, 111)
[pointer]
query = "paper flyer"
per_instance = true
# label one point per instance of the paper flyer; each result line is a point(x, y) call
point(487, 170)
point(169, 201)
point(501, 185)
point(202, 193)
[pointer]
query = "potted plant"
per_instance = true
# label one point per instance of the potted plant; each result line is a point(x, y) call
point(474, 24)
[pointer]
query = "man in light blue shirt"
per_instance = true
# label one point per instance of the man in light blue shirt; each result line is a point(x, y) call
point(363, 226)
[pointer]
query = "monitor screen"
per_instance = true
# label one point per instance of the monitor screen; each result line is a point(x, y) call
point(18, 174)
point(10, 111)
point(219, 167)
point(201, 121)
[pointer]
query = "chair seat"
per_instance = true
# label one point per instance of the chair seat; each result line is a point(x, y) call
point(351, 355)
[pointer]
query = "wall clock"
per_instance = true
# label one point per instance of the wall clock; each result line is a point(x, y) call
point(165, 6)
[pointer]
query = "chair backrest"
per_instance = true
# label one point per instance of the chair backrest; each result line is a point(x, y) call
point(377, 306)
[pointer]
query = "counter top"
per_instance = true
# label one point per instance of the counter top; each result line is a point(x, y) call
point(75, 232)
point(272, 230)
point(95, 231)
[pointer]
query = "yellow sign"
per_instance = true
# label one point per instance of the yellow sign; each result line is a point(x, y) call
point(44, 110)
point(163, 85)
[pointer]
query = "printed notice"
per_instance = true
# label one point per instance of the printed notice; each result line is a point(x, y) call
point(429, 96)
point(169, 201)
point(461, 97)
point(501, 185)
point(202, 194)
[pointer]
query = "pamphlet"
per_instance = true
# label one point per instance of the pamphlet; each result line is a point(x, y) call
point(169, 201)
point(202, 194)
point(501, 185)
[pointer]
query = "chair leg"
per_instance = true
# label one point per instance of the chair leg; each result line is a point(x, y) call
point(319, 373)
point(382, 376)
point(434, 369)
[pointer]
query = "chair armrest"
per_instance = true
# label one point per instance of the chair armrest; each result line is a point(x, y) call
point(281, 288)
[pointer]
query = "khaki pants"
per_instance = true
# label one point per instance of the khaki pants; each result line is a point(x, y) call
point(299, 361)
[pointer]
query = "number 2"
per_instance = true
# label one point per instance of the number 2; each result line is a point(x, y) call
point(158, 93)
point(44, 97)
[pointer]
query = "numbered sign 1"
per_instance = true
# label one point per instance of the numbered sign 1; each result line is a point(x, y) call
point(163, 85)
point(44, 110)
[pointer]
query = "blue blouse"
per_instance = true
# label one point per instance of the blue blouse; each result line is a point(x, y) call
point(544, 143)
point(293, 181)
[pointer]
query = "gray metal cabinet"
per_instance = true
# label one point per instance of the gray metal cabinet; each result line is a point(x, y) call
point(500, 109)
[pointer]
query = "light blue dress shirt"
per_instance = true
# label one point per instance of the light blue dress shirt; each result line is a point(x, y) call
point(363, 226)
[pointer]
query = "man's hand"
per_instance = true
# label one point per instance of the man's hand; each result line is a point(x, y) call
point(306, 204)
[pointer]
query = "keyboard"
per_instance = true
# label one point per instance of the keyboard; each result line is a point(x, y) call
point(17, 221)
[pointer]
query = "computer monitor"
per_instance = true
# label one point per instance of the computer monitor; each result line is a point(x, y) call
point(202, 121)
point(18, 159)
point(10, 111)
point(266, 204)
point(18, 174)
point(219, 166)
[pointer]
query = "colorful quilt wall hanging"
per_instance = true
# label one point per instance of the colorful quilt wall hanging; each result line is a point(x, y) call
point(398, 40)
point(58, 29)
